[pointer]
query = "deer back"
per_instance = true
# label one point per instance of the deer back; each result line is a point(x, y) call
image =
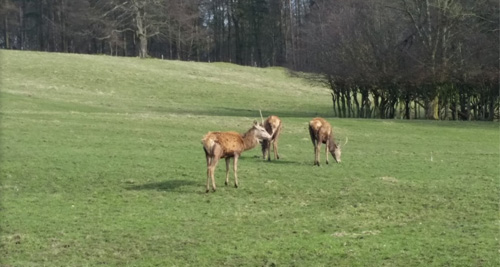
point(230, 142)
point(320, 129)
point(272, 125)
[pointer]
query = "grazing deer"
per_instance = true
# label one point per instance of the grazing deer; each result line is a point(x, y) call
point(229, 145)
point(273, 127)
point(321, 133)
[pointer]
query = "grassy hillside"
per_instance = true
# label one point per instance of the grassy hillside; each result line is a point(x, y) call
point(84, 83)
point(101, 164)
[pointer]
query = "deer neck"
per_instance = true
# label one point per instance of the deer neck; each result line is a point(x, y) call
point(331, 144)
point(249, 140)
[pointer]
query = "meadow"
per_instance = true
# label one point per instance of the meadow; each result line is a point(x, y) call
point(101, 164)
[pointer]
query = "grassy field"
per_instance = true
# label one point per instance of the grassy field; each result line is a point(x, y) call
point(102, 164)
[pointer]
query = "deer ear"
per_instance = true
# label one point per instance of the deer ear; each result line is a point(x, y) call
point(255, 123)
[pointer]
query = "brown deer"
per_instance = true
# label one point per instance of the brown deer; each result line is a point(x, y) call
point(273, 127)
point(321, 133)
point(229, 145)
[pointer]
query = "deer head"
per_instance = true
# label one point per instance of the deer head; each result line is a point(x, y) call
point(336, 150)
point(260, 132)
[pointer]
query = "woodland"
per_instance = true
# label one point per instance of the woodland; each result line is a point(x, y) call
point(406, 59)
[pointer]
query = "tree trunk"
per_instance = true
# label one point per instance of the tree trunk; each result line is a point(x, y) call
point(124, 44)
point(432, 110)
point(6, 33)
point(41, 39)
point(333, 104)
point(343, 104)
point(375, 103)
point(179, 42)
point(356, 102)
point(463, 113)
point(469, 109)
point(143, 46)
point(170, 47)
point(365, 102)
point(491, 114)
point(445, 116)
point(339, 108)
point(229, 32)
point(292, 37)
point(21, 24)
point(62, 19)
point(238, 45)
point(141, 31)
point(197, 47)
point(407, 106)
point(349, 103)
point(382, 107)
point(110, 44)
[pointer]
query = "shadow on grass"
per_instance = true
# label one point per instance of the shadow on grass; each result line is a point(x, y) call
point(240, 112)
point(169, 185)
point(258, 159)
point(280, 162)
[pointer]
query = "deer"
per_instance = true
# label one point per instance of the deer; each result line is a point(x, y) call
point(229, 145)
point(321, 133)
point(273, 126)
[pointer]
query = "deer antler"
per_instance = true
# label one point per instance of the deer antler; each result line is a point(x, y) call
point(262, 118)
point(346, 139)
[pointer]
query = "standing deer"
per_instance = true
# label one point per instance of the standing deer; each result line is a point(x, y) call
point(273, 127)
point(321, 133)
point(229, 145)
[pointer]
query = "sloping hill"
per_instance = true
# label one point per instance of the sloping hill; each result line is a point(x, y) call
point(128, 85)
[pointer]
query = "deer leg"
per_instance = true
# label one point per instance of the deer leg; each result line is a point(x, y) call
point(276, 138)
point(326, 150)
point(227, 171)
point(275, 148)
point(235, 170)
point(316, 153)
point(213, 164)
point(212, 172)
point(268, 150)
point(208, 172)
point(263, 146)
point(217, 152)
point(315, 148)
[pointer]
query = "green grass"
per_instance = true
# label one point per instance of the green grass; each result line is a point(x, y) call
point(101, 164)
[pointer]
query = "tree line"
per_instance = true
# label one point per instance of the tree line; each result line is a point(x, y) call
point(437, 59)
point(434, 59)
point(247, 32)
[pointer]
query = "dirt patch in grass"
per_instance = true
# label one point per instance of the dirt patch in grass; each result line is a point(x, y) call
point(389, 179)
point(356, 235)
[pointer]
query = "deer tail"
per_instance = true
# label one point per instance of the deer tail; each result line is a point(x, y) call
point(208, 143)
point(280, 127)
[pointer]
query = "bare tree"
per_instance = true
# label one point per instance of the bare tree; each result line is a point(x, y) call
point(8, 13)
point(436, 26)
point(143, 17)
point(183, 28)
